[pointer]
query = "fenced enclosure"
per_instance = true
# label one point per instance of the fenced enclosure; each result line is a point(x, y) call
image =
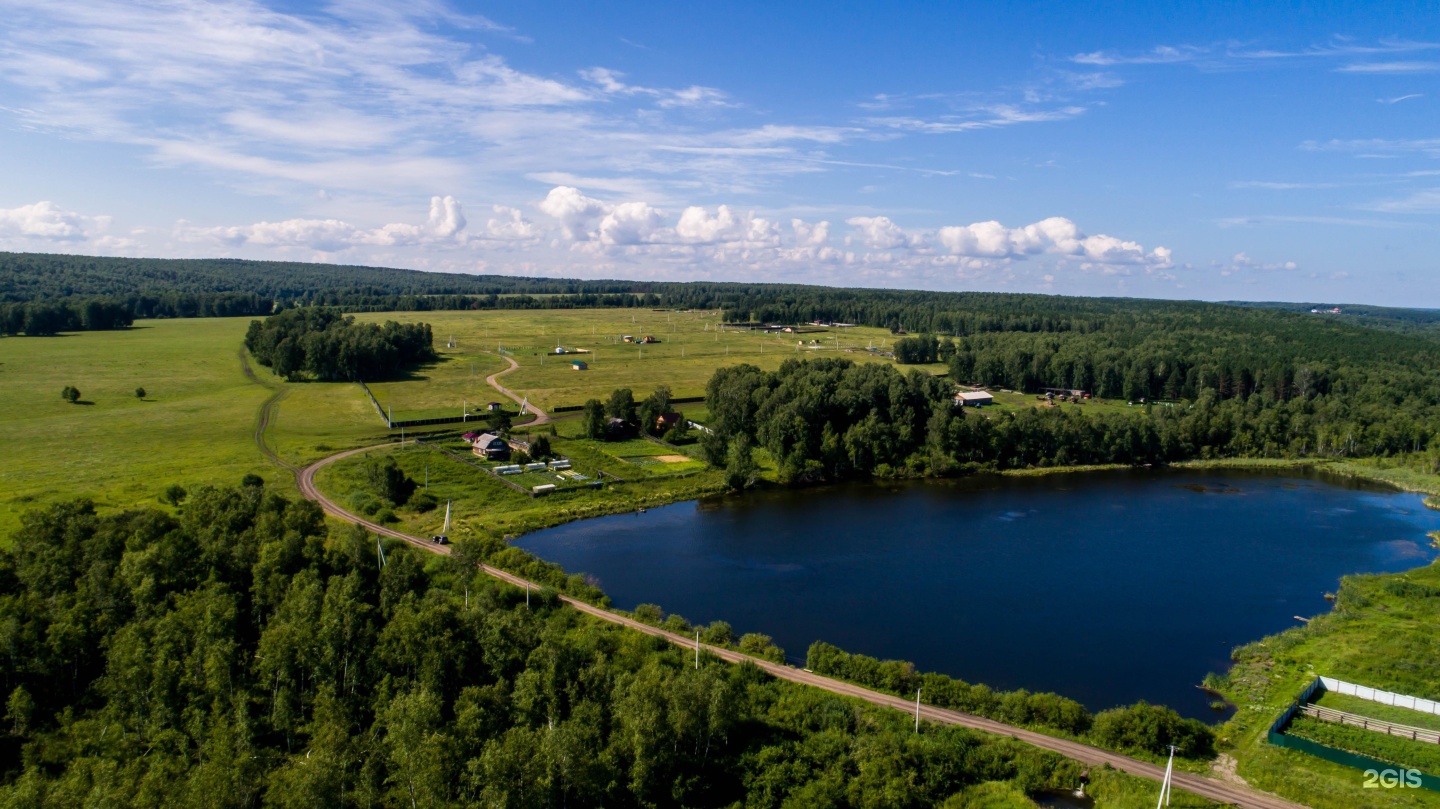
point(1302, 705)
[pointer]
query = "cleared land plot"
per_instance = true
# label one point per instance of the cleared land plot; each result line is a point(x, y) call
point(689, 351)
point(443, 388)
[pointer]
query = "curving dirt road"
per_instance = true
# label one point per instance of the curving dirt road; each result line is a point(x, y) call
point(1210, 788)
point(493, 380)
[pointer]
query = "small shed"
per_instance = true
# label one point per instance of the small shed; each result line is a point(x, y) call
point(492, 406)
point(579, 365)
point(973, 398)
point(665, 421)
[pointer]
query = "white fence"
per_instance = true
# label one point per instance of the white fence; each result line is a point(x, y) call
point(1383, 697)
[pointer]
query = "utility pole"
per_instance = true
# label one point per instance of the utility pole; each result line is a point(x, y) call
point(1168, 783)
point(427, 477)
point(527, 595)
point(917, 710)
point(697, 650)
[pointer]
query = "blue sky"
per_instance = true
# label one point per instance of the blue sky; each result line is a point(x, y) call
point(1278, 153)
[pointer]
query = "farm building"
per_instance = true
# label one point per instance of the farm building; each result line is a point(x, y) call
point(491, 447)
point(665, 421)
point(579, 365)
point(492, 406)
point(619, 428)
point(976, 398)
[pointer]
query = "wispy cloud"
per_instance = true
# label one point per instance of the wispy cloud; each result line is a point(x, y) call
point(1424, 201)
point(1159, 55)
point(1390, 67)
point(988, 117)
point(1398, 99)
point(1429, 147)
point(1252, 221)
point(1279, 186)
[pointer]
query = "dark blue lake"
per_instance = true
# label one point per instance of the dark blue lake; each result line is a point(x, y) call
point(1104, 587)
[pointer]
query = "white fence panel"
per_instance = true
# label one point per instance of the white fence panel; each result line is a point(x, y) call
point(1383, 697)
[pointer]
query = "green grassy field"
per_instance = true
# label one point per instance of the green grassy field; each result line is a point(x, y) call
point(194, 426)
point(690, 350)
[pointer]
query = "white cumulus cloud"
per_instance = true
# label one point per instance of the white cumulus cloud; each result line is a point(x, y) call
point(46, 220)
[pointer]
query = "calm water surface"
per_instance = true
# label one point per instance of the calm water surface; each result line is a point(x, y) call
point(1104, 587)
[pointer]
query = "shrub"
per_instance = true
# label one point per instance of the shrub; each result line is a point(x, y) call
point(422, 502)
point(174, 494)
point(762, 646)
point(385, 515)
point(649, 614)
point(252, 479)
point(70, 394)
point(387, 480)
point(1150, 728)
point(139, 393)
point(676, 624)
point(364, 503)
point(718, 633)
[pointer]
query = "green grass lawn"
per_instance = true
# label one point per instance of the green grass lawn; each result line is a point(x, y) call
point(194, 426)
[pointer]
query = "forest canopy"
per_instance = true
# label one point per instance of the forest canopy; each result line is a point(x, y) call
point(236, 655)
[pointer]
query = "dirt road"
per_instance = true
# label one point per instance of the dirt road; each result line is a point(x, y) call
point(1211, 788)
point(541, 417)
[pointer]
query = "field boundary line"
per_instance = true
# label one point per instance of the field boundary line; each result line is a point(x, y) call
point(268, 409)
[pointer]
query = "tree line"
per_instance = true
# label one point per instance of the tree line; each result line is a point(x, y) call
point(1138, 728)
point(833, 419)
point(323, 344)
point(235, 654)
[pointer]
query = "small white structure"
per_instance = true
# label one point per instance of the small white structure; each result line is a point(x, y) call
point(973, 398)
point(560, 463)
point(513, 469)
point(535, 467)
point(544, 487)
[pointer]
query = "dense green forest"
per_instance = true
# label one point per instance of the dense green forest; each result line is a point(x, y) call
point(828, 419)
point(236, 655)
point(321, 343)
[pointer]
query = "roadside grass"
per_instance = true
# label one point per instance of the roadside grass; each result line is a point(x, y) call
point(194, 426)
point(1377, 710)
point(1381, 633)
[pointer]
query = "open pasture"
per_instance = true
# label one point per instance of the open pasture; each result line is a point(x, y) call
point(194, 426)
